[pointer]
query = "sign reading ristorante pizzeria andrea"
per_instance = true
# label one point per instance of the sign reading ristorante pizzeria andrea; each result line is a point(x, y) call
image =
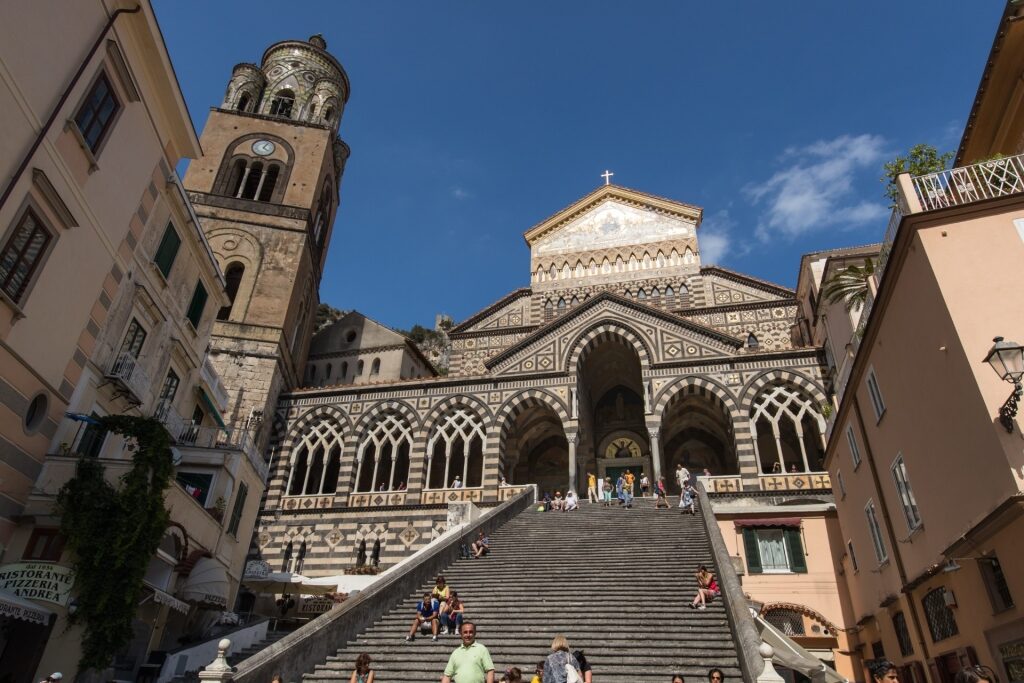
point(38, 581)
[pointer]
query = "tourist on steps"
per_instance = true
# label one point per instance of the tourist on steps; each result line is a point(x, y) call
point(572, 501)
point(687, 498)
point(588, 673)
point(592, 495)
point(627, 495)
point(883, 671)
point(538, 673)
point(630, 480)
point(363, 673)
point(469, 662)
point(454, 614)
point(678, 678)
point(707, 588)
point(645, 485)
point(558, 503)
point(662, 494)
point(716, 676)
point(426, 611)
point(682, 475)
point(512, 675)
point(555, 666)
point(482, 545)
point(440, 593)
point(606, 491)
point(620, 487)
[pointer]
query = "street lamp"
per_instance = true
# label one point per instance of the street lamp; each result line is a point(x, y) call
point(1007, 359)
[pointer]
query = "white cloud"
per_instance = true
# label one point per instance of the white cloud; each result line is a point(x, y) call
point(460, 193)
point(816, 189)
point(716, 237)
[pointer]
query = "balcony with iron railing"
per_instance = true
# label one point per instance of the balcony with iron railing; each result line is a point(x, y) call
point(951, 187)
point(127, 371)
point(212, 380)
point(187, 434)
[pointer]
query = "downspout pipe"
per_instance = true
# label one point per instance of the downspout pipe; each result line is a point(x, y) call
point(60, 104)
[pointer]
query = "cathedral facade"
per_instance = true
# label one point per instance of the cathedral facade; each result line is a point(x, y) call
point(624, 352)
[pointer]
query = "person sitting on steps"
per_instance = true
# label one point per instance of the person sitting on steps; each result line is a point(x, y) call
point(572, 502)
point(482, 545)
point(707, 588)
point(558, 503)
point(454, 614)
point(440, 593)
point(426, 611)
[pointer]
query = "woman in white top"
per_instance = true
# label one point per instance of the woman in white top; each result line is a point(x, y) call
point(572, 502)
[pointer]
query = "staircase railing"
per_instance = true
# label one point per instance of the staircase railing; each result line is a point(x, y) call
point(299, 651)
point(747, 638)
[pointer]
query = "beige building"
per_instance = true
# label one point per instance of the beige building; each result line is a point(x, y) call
point(358, 350)
point(924, 440)
point(109, 290)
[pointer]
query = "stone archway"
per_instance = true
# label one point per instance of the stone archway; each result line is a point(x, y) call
point(534, 448)
point(697, 431)
point(611, 408)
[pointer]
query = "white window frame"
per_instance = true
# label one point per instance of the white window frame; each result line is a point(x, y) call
point(788, 569)
point(854, 448)
point(875, 394)
point(875, 530)
point(910, 510)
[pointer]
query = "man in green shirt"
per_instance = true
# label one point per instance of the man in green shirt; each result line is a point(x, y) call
point(470, 662)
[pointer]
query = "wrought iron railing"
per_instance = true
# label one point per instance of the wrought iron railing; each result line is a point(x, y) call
point(966, 184)
point(127, 370)
point(186, 433)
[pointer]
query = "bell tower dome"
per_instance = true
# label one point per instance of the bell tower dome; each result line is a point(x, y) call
point(266, 191)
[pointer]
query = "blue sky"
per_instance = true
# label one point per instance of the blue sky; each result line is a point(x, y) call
point(470, 121)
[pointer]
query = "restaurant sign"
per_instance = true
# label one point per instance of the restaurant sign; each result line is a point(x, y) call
point(38, 581)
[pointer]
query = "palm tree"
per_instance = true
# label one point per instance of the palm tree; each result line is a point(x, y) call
point(850, 286)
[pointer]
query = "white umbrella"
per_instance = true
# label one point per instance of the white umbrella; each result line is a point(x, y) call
point(345, 583)
point(286, 583)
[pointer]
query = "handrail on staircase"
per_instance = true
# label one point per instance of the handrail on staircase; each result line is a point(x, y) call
point(748, 640)
point(299, 651)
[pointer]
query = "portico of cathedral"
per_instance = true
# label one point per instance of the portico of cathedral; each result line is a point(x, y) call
point(624, 352)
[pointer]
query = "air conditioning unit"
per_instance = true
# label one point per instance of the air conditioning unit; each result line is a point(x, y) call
point(948, 598)
point(738, 565)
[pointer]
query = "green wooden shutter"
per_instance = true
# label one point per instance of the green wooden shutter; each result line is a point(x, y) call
point(753, 552)
point(195, 309)
point(167, 251)
point(795, 547)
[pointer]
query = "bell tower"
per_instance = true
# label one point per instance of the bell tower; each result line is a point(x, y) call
point(266, 191)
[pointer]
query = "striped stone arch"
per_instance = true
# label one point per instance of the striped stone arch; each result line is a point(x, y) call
point(482, 409)
point(694, 384)
point(802, 610)
point(754, 387)
point(522, 401)
point(609, 330)
point(401, 407)
point(312, 417)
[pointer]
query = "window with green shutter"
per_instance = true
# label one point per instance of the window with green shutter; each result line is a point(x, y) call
point(774, 550)
point(236, 512)
point(167, 250)
point(195, 308)
point(753, 552)
point(795, 547)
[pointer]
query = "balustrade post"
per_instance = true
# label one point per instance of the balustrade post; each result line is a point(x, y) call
point(219, 670)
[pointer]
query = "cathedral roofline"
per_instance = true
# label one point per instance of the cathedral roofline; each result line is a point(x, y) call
point(484, 312)
point(743, 278)
point(726, 308)
point(629, 303)
point(662, 204)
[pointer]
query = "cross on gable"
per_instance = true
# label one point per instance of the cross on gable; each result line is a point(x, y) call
point(607, 177)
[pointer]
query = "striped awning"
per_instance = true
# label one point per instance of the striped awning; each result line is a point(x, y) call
point(212, 408)
point(768, 521)
point(24, 610)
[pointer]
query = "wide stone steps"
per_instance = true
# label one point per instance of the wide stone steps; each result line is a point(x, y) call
point(618, 583)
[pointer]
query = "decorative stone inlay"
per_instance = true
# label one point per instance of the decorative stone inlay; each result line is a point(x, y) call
point(408, 535)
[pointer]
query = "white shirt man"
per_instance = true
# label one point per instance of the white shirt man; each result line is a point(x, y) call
point(457, 484)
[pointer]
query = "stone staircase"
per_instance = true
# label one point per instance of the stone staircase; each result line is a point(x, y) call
point(244, 654)
point(616, 582)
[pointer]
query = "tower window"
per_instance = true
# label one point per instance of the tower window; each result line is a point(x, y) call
point(268, 182)
point(328, 115)
point(312, 111)
point(375, 367)
point(244, 101)
point(282, 103)
point(232, 278)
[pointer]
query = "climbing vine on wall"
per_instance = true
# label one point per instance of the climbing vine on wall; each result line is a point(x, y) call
point(113, 531)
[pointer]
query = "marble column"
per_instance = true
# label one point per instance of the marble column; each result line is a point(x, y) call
point(655, 453)
point(574, 439)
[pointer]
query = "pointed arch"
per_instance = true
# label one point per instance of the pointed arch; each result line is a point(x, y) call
point(602, 331)
point(315, 451)
point(456, 448)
